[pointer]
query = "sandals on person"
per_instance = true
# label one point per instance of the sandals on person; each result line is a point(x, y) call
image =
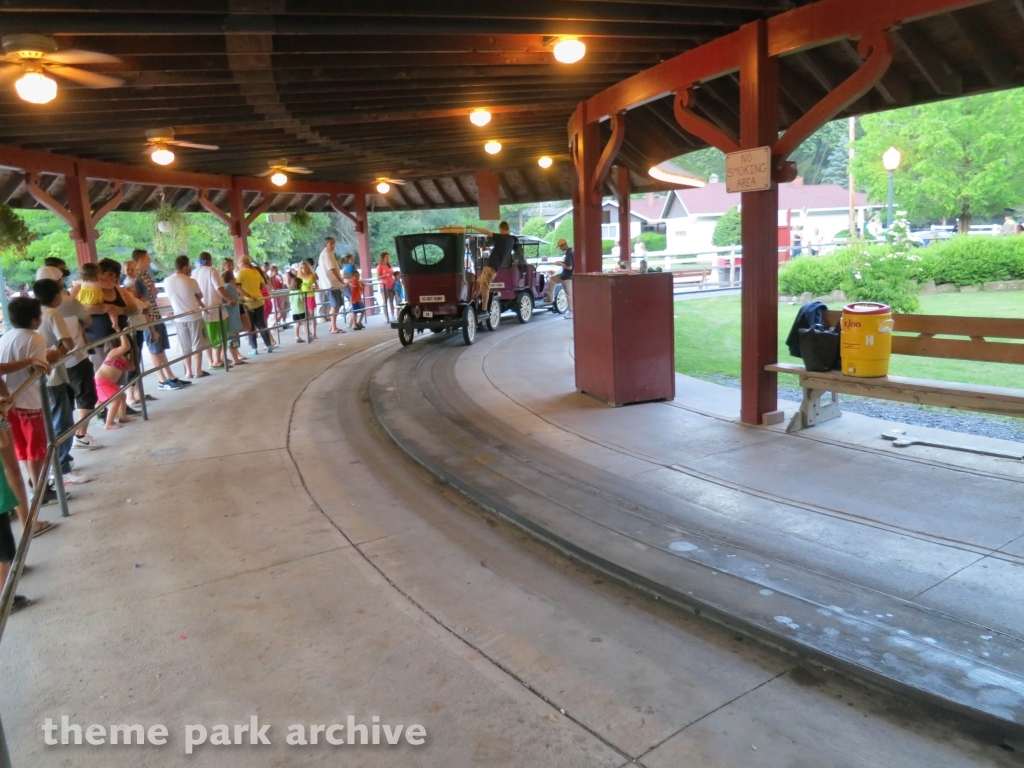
point(20, 601)
point(41, 527)
point(202, 375)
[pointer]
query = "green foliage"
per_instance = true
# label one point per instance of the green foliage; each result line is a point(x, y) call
point(728, 229)
point(703, 162)
point(653, 240)
point(823, 157)
point(961, 158)
point(868, 273)
point(301, 219)
point(14, 232)
point(890, 278)
point(972, 260)
point(607, 245)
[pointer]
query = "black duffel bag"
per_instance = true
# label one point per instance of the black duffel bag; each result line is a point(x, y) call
point(819, 348)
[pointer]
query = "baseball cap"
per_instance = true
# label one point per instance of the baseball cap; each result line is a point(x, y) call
point(50, 273)
point(561, 242)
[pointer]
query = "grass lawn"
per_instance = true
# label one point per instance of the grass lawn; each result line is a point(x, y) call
point(708, 338)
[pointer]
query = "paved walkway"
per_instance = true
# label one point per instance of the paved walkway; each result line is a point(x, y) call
point(262, 548)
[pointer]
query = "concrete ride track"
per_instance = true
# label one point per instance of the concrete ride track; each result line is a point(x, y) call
point(295, 563)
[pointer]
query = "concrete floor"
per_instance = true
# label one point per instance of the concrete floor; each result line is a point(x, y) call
point(260, 547)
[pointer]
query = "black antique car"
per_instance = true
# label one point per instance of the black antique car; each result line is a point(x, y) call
point(437, 288)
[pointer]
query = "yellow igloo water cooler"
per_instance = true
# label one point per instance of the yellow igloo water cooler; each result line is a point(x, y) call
point(866, 341)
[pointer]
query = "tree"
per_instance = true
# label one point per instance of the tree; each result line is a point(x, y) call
point(962, 158)
point(703, 162)
point(728, 230)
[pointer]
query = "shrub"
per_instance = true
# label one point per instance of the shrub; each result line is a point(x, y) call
point(653, 241)
point(728, 230)
point(890, 278)
point(971, 260)
point(607, 245)
point(816, 276)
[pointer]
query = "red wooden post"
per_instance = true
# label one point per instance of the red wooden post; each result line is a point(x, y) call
point(488, 195)
point(622, 190)
point(586, 152)
point(363, 231)
point(237, 224)
point(759, 124)
point(84, 230)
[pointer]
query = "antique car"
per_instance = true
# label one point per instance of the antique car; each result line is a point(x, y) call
point(520, 282)
point(437, 290)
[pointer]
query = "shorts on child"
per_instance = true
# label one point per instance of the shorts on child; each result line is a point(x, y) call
point(156, 339)
point(358, 306)
point(298, 318)
point(191, 335)
point(311, 304)
point(29, 434)
point(106, 389)
point(7, 547)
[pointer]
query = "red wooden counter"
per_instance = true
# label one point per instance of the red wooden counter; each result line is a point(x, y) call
point(624, 336)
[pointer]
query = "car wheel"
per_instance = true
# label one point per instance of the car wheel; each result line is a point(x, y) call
point(493, 318)
point(405, 330)
point(468, 324)
point(524, 307)
point(561, 302)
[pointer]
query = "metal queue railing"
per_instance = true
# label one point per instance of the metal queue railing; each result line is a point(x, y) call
point(136, 378)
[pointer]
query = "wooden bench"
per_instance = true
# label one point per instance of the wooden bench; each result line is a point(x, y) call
point(923, 336)
point(686, 274)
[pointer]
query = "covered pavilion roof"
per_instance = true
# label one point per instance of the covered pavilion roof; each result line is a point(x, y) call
point(357, 91)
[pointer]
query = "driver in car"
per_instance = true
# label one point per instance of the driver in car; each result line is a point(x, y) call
point(502, 245)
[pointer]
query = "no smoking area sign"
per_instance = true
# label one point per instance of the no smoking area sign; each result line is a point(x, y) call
point(749, 170)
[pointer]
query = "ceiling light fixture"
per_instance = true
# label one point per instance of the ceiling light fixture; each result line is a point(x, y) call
point(162, 156)
point(545, 162)
point(383, 187)
point(480, 117)
point(492, 147)
point(35, 87)
point(569, 50)
point(279, 179)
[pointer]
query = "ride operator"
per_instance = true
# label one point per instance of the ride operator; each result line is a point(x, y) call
point(502, 245)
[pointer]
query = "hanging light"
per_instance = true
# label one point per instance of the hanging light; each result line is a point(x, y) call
point(36, 87)
point(569, 50)
point(279, 179)
point(492, 147)
point(545, 162)
point(480, 117)
point(383, 187)
point(162, 156)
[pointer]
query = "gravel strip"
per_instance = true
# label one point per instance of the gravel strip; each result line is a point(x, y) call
point(984, 425)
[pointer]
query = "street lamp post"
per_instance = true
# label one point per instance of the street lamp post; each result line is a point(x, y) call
point(891, 161)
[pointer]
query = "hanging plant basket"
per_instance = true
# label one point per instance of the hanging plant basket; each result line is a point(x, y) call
point(169, 218)
point(301, 219)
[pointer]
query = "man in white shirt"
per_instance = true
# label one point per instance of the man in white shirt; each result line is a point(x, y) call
point(58, 385)
point(186, 296)
point(212, 286)
point(79, 368)
point(329, 273)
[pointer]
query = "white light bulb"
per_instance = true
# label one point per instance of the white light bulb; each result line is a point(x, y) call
point(545, 162)
point(480, 117)
point(570, 51)
point(891, 159)
point(162, 156)
point(383, 187)
point(36, 87)
point(492, 147)
point(279, 179)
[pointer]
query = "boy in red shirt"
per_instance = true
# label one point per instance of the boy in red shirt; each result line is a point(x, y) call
point(358, 307)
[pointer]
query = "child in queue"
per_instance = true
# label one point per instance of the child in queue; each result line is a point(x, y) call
point(114, 365)
point(297, 299)
point(234, 316)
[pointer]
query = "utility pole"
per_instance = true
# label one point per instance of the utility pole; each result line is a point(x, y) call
point(853, 195)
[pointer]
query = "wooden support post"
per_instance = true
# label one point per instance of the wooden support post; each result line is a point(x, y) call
point(239, 230)
point(625, 217)
point(586, 154)
point(363, 231)
point(78, 214)
point(759, 127)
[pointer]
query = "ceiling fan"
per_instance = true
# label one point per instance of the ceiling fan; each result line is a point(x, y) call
point(34, 57)
point(384, 183)
point(278, 172)
point(159, 139)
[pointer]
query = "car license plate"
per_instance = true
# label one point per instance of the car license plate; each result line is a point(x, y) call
point(497, 285)
point(431, 299)
point(428, 314)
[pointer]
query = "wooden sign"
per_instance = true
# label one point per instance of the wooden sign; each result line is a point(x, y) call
point(749, 170)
